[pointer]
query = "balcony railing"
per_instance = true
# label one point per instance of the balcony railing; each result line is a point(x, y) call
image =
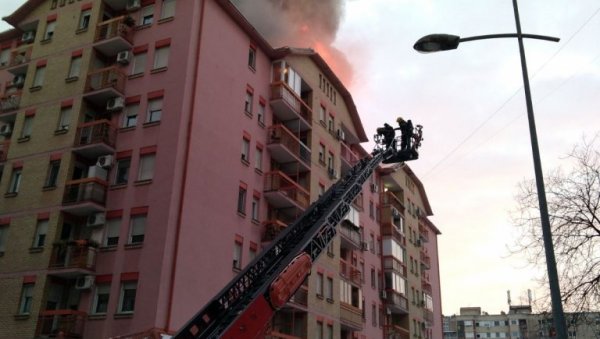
point(351, 316)
point(278, 182)
point(4, 150)
point(350, 234)
point(61, 324)
point(424, 233)
point(10, 101)
point(396, 332)
point(115, 27)
point(109, 77)
point(428, 316)
point(280, 135)
point(389, 198)
point(300, 297)
point(85, 190)
point(73, 255)
point(389, 229)
point(391, 263)
point(20, 56)
point(350, 272)
point(425, 260)
point(272, 229)
point(281, 91)
point(348, 155)
point(398, 303)
point(96, 132)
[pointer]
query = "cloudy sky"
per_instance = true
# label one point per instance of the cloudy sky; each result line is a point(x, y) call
point(470, 102)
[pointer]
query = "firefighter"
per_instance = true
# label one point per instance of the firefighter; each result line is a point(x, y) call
point(406, 130)
point(388, 133)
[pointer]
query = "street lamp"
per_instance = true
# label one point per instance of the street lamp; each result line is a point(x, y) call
point(443, 42)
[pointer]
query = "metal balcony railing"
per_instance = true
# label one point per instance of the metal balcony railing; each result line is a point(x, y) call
point(272, 229)
point(281, 91)
point(350, 233)
point(425, 259)
point(20, 56)
point(77, 254)
point(109, 77)
point(350, 272)
point(94, 132)
point(85, 190)
point(10, 101)
point(277, 181)
point(348, 155)
point(389, 198)
point(391, 263)
point(389, 229)
point(61, 324)
point(115, 27)
point(423, 232)
point(396, 332)
point(396, 300)
point(279, 134)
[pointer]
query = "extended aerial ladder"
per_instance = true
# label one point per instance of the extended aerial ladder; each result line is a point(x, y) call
point(244, 307)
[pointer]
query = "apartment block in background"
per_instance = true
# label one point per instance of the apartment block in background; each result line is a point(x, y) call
point(150, 149)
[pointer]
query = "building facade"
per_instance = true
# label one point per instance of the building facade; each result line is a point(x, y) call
point(518, 323)
point(150, 148)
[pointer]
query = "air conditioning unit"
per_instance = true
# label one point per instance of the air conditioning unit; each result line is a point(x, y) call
point(85, 282)
point(383, 294)
point(6, 130)
point(97, 172)
point(105, 161)
point(124, 57)
point(395, 214)
point(96, 219)
point(374, 188)
point(132, 5)
point(340, 134)
point(28, 36)
point(115, 104)
point(19, 80)
point(364, 246)
point(332, 173)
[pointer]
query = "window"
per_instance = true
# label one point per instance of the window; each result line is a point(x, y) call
point(50, 26)
point(52, 174)
point(3, 236)
point(319, 334)
point(371, 209)
point(245, 150)
point(40, 234)
point(122, 171)
point(321, 189)
point(146, 170)
point(330, 162)
point(74, 67)
point(237, 255)
point(146, 15)
point(111, 235)
point(84, 19)
point(322, 154)
point(241, 205)
point(329, 289)
point(329, 333)
point(138, 63)
point(15, 180)
point(255, 208)
point(258, 159)
point(331, 124)
point(38, 77)
point(130, 115)
point(261, 113)
point(320, 284)
point(64, 118)
point(26, 299)
point(252, 57)
point(161, 57)
point(248, 102)
point(27, 127)
point(127, 297)
point(168, 9)
point(252, 252)
point(373, 278)
point(154, 110)
point(374, 315)
point(100, 303)
point(137, 228)
point(322, 114)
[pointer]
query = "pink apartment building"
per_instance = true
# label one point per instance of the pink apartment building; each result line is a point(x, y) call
point(153, 147)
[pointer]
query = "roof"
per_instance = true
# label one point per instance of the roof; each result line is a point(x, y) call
point(21, 12)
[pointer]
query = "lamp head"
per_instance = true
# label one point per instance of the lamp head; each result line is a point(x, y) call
point(436, 42)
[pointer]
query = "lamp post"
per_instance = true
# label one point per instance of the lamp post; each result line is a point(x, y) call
point(443, 42)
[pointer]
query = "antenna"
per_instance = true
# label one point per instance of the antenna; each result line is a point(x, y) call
point(508, 296)
point(529, 296)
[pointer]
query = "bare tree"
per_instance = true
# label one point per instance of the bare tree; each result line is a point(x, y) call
point(574, 206)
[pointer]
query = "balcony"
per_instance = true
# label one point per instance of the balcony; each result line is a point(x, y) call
point(423, 233)
point(4, 150)
point(113, 36)
point(286, 149)
point(350, 317)
point(300, 298)
point(19, 60)
point(428, 316)
point(388, 229)
point(349, 158)
point(10, 102)
point(72, 258)
point(390, 198)
point(84, 196)
point(283, 192)
point(349, 235)
point(290, 108)
point(425, 260)
point(350, 273)
point(103, 84)
point(391, 263)
point(60, 324)
point(272, 229)
point(95, 138)
point(396, 332)
point(396, 302)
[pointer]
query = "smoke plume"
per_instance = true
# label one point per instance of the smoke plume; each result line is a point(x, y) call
point(301, 23)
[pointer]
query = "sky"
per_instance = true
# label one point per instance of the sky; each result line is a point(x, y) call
point(476, 146)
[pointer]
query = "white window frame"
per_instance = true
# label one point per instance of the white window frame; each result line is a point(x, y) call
point(75, 67)
point(161, 57)
point(49, 31)
point(237, 255)
point(64, 117)
point(167, 9)
point(258, 159)
point(138, 63)
point(41, 230)
point(245, 150)
point(154, 110)
point(15, 180)
point(117, 170)
point(83, 23)
point(113, 227)
point(255, 208)
point(27, 126)
point(38, 77)
point(137, 227)
point(130, 115)
point(146, 15)
point(26, 299)
point(128, 285)
point(146, 167)
point(100, 289)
